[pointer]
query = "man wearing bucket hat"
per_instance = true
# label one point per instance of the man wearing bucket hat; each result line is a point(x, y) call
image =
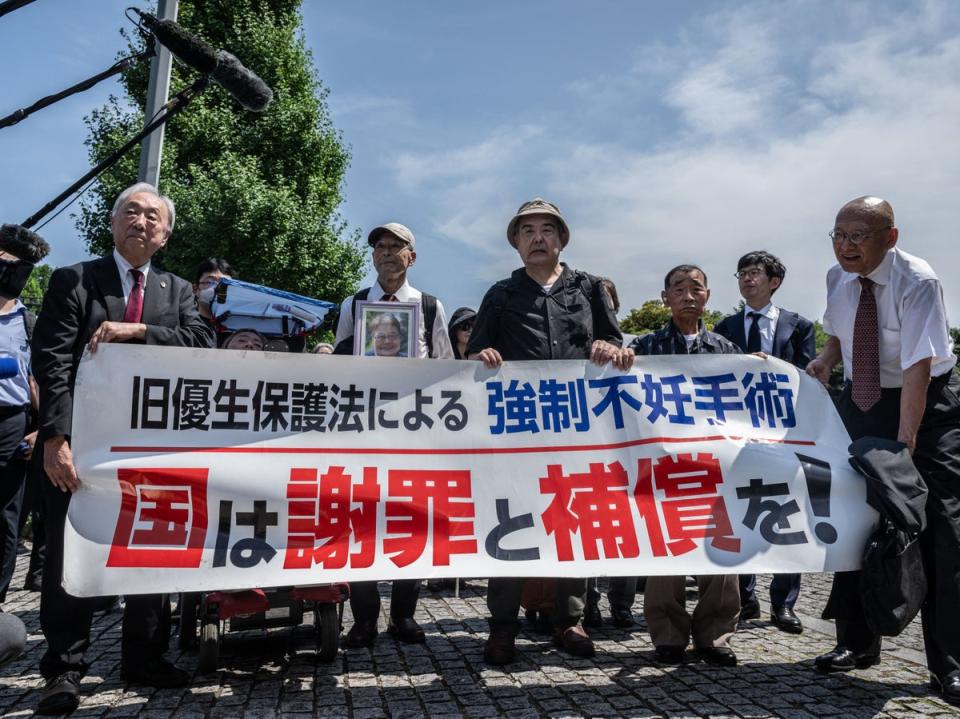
point(556, 313)
point(394, 252)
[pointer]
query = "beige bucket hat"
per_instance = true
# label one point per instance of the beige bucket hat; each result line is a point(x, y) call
point(394, 228)
point(538, 206)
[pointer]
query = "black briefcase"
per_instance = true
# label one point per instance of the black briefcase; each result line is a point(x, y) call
point(893, 583)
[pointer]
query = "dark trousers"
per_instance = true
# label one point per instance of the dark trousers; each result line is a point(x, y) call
point(937, 458)
point(13, 470)
point(66, 619)
point(621, 592)
point(33, 502)
point(365, 599)
point(504, 594)
point(784, 589)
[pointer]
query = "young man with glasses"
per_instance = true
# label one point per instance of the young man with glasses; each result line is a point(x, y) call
point(888, 325)
point(761, 326)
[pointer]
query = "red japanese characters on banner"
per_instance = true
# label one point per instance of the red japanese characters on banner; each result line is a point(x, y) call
point(331, 511)
point(163, 518)
point(429, 500)
point(595, 505)
point(691, 507)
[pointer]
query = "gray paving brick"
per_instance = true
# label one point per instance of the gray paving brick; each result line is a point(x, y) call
point(272, 674)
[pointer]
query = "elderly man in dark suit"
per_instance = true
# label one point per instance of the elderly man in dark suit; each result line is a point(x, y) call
point(119, 298)
point(761, 326)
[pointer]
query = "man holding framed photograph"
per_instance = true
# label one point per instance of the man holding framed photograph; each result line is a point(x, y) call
point(381, 309)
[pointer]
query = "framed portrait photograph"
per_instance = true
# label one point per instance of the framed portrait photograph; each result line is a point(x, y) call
point(386, 329)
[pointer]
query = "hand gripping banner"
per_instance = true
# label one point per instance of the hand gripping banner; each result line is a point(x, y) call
point(206, 469)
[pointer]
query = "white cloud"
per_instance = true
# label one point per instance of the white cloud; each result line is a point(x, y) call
point(490, 156)
point(777, 122)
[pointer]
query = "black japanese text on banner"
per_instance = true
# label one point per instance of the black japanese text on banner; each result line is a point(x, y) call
point(205, 469)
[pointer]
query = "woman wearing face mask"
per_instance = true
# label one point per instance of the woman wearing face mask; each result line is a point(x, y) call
point(205, 280)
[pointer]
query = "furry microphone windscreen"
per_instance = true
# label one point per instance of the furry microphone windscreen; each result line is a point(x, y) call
point(248, 89)
point(23, 244)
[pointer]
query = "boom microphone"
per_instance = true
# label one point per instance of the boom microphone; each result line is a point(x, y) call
point(23, 244)
point(185, 45)
point(241, 82)
point(248, 89)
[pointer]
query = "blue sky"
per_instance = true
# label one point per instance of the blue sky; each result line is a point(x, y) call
point(666, 132)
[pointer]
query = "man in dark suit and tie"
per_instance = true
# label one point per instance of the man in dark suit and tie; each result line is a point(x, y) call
point(119, 298)
point(761, 326)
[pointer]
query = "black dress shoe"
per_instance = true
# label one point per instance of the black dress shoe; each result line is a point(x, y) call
point(668, 654)
point(153, 672)
point(61, 695)
point(362, 634)
point(592, 616)
point(622, 618)
point(717, 656)
point(948, 687)
point(750, 610)
point(843, 659)
point(785, 620)
point(407, 630)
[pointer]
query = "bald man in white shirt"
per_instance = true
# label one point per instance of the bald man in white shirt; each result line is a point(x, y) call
point(888, 324)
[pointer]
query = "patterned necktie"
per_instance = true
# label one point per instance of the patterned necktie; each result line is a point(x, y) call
point(866, 349)
point(389, 298)
point(134, 309)
point(753, 339)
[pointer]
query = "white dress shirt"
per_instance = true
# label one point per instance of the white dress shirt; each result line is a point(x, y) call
point(442, 349)
point(767, 324)
point(910, 311)
point(126, 279)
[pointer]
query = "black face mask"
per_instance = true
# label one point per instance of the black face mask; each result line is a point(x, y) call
point(13, 277)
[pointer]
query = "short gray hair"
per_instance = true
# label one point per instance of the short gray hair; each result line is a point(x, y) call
point(149, 189)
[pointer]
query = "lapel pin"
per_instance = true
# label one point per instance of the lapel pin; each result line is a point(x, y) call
point(163, 284)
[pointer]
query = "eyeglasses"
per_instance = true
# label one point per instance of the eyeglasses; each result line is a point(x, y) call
point(854, 238)
point(385, 336)
point(465, 327)
point(752, 273)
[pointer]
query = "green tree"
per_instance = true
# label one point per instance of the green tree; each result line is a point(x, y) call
point(652, 315)
point(261, 190)
point(955, 334)
point(33, 291)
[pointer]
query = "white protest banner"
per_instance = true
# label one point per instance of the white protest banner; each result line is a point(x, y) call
point(206, 469)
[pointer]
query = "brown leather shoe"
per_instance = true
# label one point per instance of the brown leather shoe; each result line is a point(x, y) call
point(500, 647)
point(574, 640)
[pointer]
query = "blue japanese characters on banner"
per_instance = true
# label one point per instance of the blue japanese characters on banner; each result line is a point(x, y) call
point(765, 398)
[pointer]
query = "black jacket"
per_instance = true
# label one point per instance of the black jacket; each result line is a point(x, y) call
point(669, 341)
point(81, 297)
point(522, 322)
point(794, 340)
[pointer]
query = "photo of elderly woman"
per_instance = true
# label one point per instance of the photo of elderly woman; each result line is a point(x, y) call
point(386, 329)
point(387, 337)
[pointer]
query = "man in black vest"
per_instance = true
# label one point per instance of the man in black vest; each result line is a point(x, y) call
point(394, 252)
point(118, 298)
point(888, 325)
point(761, 326)
point(544, 311)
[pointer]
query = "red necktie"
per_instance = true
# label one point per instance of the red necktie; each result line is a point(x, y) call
point(866, 349)
point(135, 300)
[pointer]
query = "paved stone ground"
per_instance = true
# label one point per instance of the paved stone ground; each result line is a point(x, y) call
point(273, 674)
